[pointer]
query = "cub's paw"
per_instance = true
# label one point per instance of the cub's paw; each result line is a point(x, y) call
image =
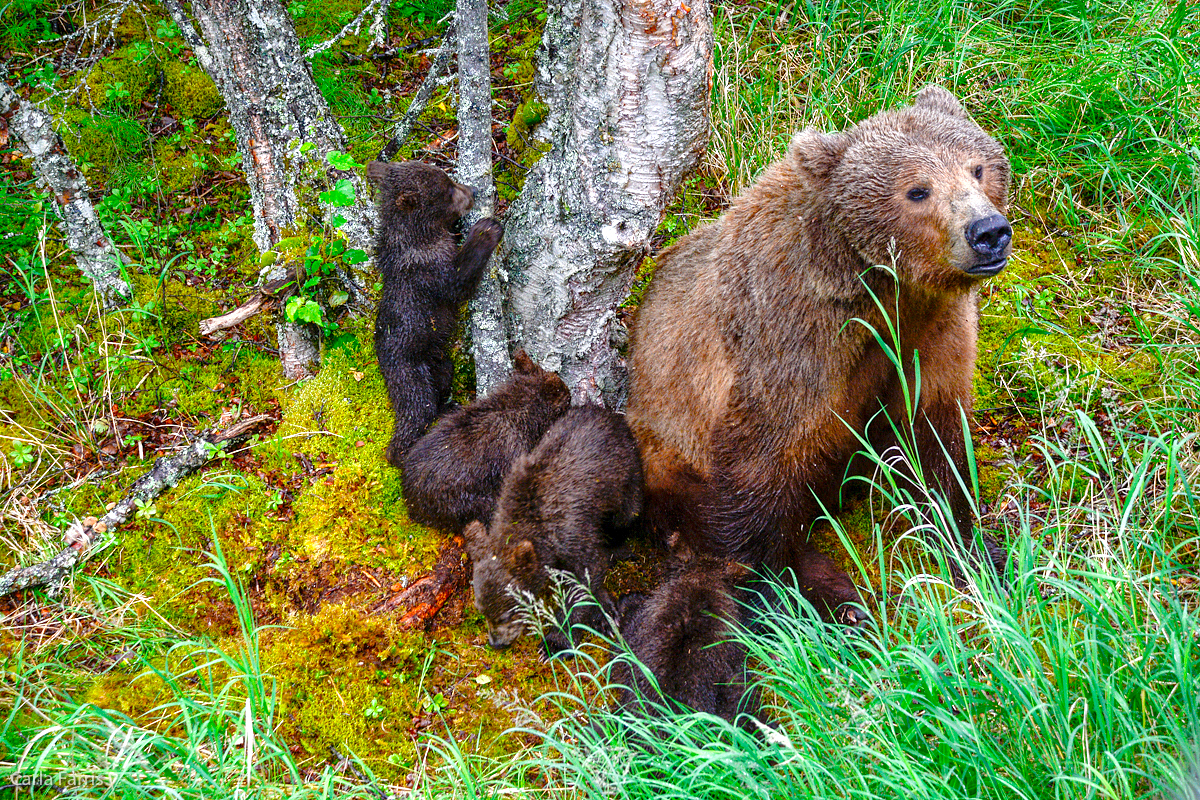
point(485, 234)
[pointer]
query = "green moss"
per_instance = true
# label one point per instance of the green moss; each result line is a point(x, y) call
point(120, 81)
point(189, 90)
point(104, 141)
point(520, 136)
point(179, 170)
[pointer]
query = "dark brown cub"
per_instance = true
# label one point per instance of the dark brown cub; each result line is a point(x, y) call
point(426, 279)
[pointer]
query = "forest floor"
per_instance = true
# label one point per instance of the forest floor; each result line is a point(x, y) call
point(298, 541)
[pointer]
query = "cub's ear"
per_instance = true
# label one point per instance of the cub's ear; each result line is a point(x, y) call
point(408, 198)
point(524, 558)
point(935, 98)
point(376, 170)
point(523, 364)
point(815, 154)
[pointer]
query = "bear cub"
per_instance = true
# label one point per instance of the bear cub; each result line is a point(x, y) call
point(453, 474)
point(681, 633)
point(563, 506)
point(426, 279)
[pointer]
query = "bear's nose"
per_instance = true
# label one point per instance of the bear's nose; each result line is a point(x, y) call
point(990, 236)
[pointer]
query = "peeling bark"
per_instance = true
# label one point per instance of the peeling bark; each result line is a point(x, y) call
point(94, 252)
point(627, 85)
point(165, 474)
point(427, 595)
point(489, 343)
point(284, 130)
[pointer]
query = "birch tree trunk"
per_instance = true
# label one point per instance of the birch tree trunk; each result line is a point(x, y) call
point(250, 50)
point(627, 84)
point(489, 342)
point(94, 252)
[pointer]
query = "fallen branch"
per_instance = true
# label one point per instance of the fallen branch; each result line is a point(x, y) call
point(262, 298)
point(422, 600)
point(165, 474)
point(440, 62)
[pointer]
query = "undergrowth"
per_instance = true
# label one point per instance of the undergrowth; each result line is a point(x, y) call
point(274, 677)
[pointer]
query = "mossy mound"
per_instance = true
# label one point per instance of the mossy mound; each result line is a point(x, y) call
point(191, 93)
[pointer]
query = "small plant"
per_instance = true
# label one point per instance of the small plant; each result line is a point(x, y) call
point(436, 703)
point(145, 508)
point(21, 454)
point(375, 710)
point(115, 93)
point(275, 501)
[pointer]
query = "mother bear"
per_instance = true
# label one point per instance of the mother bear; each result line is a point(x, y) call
point(752, 371)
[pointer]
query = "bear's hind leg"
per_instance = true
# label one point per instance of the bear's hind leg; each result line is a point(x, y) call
point(415, 402)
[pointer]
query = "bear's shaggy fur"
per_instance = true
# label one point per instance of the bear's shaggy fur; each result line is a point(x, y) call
point(564, 506)
point(750, 376)
point(426, 279)
point(453, 474)
point(681, 634)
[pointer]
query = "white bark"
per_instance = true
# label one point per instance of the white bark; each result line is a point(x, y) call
point(94, 252)
point(489, 342)
point(627, 83)
point(250, 50)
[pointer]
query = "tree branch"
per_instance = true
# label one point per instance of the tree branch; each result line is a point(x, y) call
point(417, 107)
point(165, 474)
point(376, 28)
point(94, 252)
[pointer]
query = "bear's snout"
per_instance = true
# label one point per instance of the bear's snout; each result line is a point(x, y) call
point(989, 238)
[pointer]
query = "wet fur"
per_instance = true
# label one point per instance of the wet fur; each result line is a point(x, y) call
point(426, 279)
point(453, 474)
point(748, 375)
point(681, 633)
point(566, 505)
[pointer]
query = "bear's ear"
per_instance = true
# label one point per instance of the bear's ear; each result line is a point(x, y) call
point(815, 154)
point(935, 98)
point(408, 197)
point(523, 364)
point(524, 558)
point(376, 170)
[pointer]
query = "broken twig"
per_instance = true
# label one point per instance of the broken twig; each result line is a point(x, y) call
point(166, 473)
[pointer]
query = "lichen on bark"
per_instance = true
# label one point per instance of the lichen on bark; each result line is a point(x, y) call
point(94, 252)
point(627, 87)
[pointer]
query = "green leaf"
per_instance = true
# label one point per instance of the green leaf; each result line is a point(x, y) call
point(337, 247)
point(340, 196)
point(303, 309)
point(355, 256)
point(341, 161)
point(337, 221)
point(338, 298)
point(307, 148)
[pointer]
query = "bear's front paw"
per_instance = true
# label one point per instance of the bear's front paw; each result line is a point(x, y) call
point(485, 233)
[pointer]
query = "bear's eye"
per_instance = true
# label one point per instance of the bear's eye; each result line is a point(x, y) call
point(918, 194)
point(979, 172)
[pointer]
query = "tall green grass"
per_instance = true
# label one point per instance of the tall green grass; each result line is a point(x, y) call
point(1079, 678)
point(214, 736)
point(1097, 103)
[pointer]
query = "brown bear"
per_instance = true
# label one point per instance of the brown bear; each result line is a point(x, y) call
point(426, 279)
point(755, 360)
point(453, 474)
point(566, 505)
point(681, 634)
